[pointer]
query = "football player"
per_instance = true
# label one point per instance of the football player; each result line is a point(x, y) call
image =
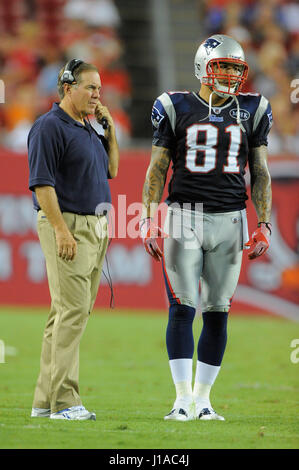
point(208, 137)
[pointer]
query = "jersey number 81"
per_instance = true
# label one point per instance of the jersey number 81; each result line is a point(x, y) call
point(209, 148)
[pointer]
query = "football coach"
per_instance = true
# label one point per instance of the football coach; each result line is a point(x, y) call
point(69, 168)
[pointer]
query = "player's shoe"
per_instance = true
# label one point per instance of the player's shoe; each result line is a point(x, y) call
point(206, 414)
point(40, 413)
point(181, 411)
point(78, 413)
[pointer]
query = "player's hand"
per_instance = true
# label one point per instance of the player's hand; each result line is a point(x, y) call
point(259, 241)
point(66, 244)
point(149, 232)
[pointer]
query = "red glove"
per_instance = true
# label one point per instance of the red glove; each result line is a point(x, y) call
point(259, 241)
point(149, 232)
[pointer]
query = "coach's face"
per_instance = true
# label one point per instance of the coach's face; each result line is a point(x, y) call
point(86, 93)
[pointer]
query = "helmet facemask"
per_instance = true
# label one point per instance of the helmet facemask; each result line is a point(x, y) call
point(223, 83)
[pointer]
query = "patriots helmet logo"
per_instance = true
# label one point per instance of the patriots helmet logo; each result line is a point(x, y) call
point(210, 44)
point(156, 117)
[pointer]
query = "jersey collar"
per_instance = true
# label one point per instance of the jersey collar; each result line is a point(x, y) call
point(219, 108)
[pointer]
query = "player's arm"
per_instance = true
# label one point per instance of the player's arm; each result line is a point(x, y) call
point(47, 199)
point(261, 195)
point(151, 197)
point(155, 180)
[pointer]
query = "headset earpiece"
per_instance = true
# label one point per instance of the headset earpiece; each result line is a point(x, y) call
point(67, 76)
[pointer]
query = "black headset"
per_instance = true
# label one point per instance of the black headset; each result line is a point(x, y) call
point(68, 77)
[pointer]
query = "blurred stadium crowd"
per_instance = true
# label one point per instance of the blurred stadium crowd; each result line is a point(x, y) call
point(269, 33)
point(39, 36)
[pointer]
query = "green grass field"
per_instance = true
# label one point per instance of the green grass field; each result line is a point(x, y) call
point(125, 379)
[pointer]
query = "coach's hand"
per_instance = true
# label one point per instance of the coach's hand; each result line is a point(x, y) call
point(259, 241)
point(149, 232)
point(66, 244)
point(102, 114)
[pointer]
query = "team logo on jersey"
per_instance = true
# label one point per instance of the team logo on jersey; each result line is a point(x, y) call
point(157, 117)
point(211, 44)
point(244, 114)
point(270, 117)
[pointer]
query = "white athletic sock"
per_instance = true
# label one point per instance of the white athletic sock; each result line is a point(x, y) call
point(181, 371)
point(204, 379)
point(183, 393)
point(201, 394)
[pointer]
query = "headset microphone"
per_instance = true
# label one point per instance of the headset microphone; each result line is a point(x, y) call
point(104, 123)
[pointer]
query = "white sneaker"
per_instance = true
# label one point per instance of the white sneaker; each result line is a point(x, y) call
point(181, 411)
point(207, 414)
point(74, 413)
point(40, 412)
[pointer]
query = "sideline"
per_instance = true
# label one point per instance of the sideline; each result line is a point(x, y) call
point(44, 310)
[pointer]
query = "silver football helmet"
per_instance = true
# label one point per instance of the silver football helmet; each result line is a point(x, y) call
point(220, 63)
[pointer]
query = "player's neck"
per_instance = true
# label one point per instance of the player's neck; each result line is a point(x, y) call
point(205, 93)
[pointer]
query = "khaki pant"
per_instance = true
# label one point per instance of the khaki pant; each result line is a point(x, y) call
point(73, 287)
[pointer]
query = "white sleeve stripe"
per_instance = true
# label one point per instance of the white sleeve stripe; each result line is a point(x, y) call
point(260, 112)
point(169, 108)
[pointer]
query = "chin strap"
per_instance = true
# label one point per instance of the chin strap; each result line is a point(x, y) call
point(210, 103)
point(239, 122)
point(210, 108)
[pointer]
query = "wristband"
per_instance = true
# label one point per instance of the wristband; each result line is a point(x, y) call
point(142, 222)
point(268, 224)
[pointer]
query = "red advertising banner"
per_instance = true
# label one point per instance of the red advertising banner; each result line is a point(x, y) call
point(269, 284)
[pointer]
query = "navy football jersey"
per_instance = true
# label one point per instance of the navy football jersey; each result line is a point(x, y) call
point(209, 153)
